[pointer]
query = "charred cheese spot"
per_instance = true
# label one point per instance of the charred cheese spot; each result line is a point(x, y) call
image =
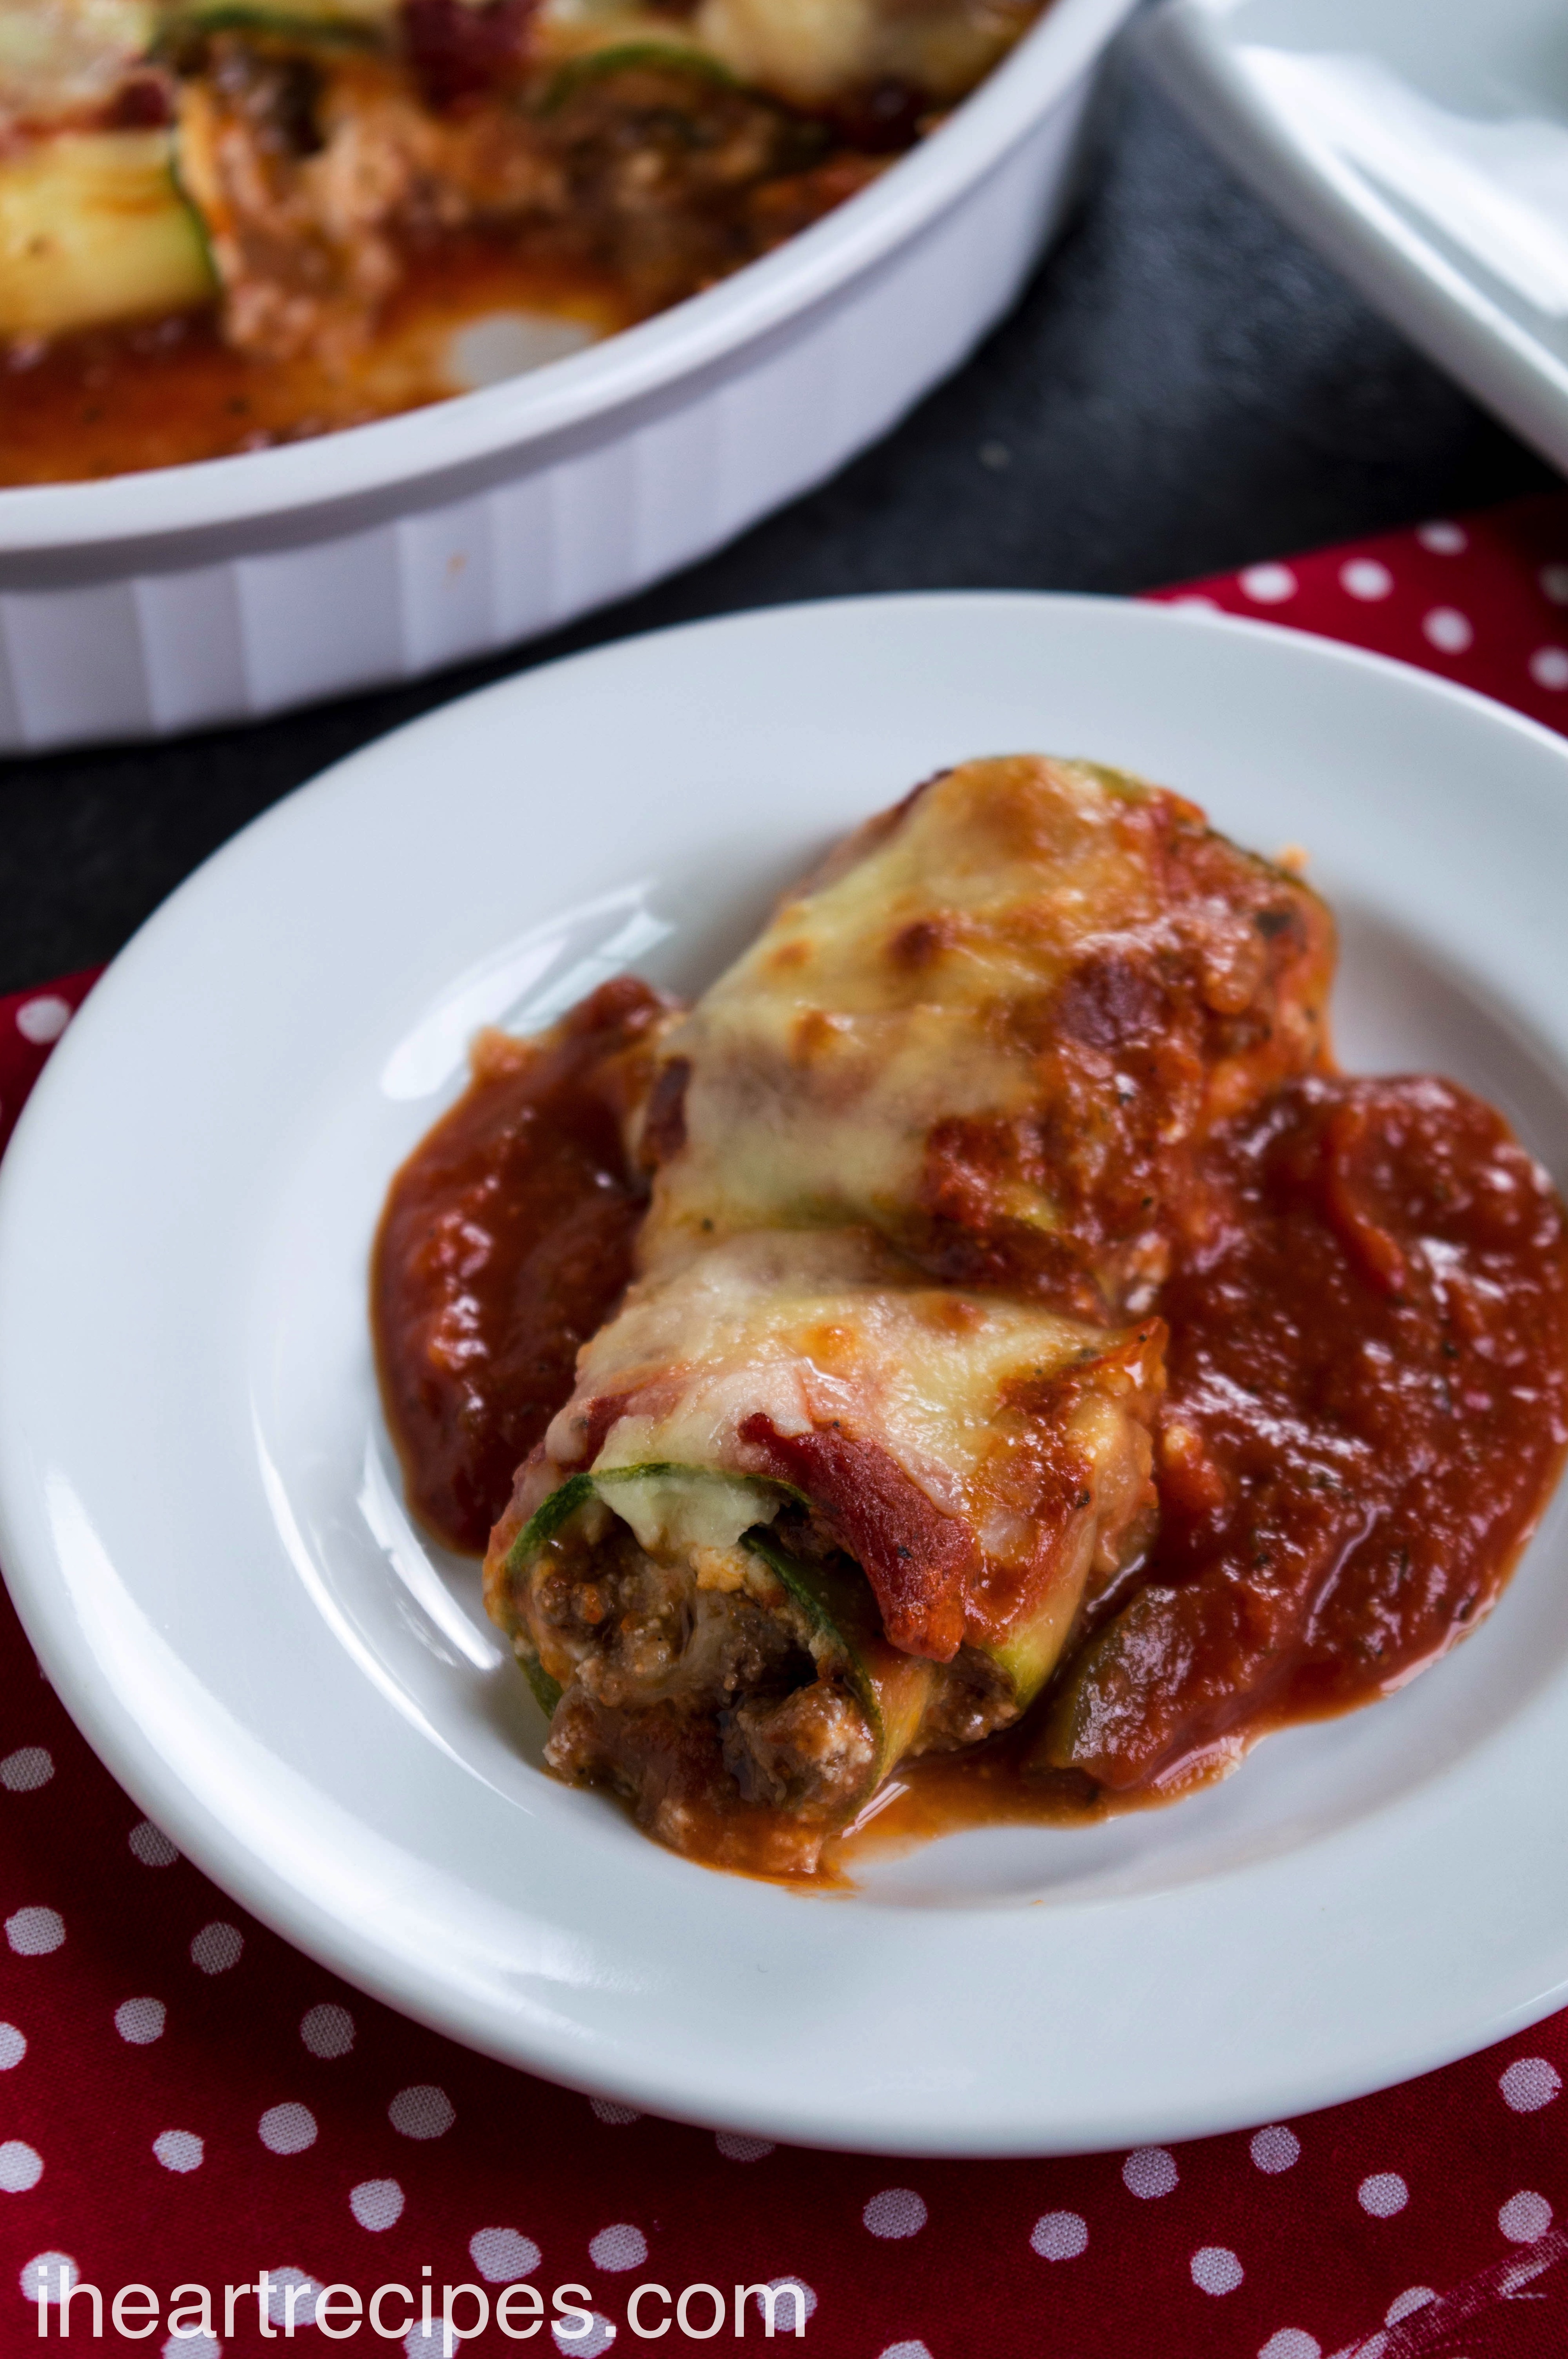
point(923, 942)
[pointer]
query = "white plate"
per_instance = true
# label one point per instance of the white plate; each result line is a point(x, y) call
point(1423, 146)
point(201, 1531)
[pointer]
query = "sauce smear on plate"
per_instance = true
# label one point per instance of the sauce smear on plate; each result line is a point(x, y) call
point(506, 1241)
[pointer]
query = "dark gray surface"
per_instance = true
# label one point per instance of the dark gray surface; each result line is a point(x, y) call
point(1185, 389)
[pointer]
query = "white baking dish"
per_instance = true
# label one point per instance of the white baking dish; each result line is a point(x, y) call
point(191, 595)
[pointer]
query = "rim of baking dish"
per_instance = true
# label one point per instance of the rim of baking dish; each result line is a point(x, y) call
point(625, 368)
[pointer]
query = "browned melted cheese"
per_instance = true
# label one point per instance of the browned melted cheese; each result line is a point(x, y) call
point(999, 1027)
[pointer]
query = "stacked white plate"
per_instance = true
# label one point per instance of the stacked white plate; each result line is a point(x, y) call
point(1423, 146)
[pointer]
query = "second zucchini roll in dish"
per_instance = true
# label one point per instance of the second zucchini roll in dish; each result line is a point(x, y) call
point(804, 1514)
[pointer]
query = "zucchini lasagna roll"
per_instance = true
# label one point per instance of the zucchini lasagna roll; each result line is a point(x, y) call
point(867, 1447)
point(998, 1026)
point(804, 1514)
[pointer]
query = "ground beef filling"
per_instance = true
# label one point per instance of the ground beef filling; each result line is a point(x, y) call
point(690, 1699)
point(318, 173)
point(704, 1694)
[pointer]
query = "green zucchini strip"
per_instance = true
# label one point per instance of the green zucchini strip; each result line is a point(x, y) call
point(561, 1506)
point(623, 57)
point(94, 228)
point(305, 20)
point(1031, 1651)
point(893, 1689)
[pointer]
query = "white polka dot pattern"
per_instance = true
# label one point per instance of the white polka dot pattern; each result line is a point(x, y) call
point(1365, 578)
point(1292, 2343)
point(1524, 2217)
point(1060, 2235)
point(304, 2290)
point(217, 1948)
point(1149, 2172)
point(13, 2047)
point(599, 2337)
point(906, 2350)
point(1444, 540)
point(140, 2020)
point(1449, 631)
point(422, 2111)
point(432, 2344)
point(1275, 2149)
point(1215, 2269)
point(43, 1019)
point(1270, 585)
point(1406, 2304)
point(504, 2255)
point(794, 2295)
point(327, 2031)
point(619, 2247)
point(1528, 2083)
point(179, 2150)
point(45, 2269)
point(606, 2110)
point(1549, 668)
point(1383, 2193)
point(377, 2203)
point(24, 1771)
point(736, 2147)
point(896, 2211)
point(34, 1932)
point(151, 1845)
point(21, 2167)
point(287, 2129)
point(1553, 580)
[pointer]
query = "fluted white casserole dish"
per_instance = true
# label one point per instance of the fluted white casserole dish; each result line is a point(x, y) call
point(192, 595)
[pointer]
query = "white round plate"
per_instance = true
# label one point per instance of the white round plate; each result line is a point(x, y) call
point(202, 1529)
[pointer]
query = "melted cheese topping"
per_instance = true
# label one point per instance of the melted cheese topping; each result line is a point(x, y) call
point(910, 988)
point(819, 1329)
point(59, 58)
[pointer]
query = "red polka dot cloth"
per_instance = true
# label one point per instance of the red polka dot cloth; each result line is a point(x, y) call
point(187, 2106)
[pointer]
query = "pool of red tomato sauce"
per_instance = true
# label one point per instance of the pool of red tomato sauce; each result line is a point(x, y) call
point(506, 1240)
point(1367, 1411)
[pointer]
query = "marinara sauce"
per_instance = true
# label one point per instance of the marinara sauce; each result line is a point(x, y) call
point(506, 1241)
point(1366, 1408)
point(1367, 1411)
point(1366, 1415)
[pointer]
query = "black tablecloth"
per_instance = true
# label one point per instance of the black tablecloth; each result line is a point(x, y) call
point(1184, 389)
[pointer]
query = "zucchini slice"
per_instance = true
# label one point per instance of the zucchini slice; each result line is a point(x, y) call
point(94, 228)
point(893, 1689)
point(302, 20)
point(734, 1503)
point(711, 1509)
point(1029, 1653)
point(627, 57)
